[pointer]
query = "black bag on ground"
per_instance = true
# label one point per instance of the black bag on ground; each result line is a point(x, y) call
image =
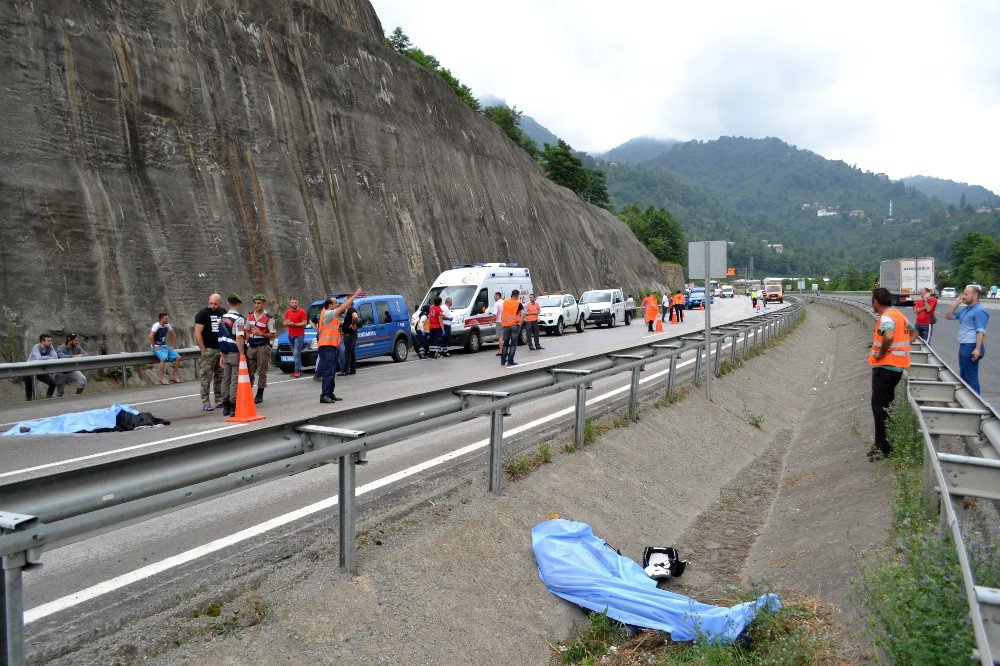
point(662, 562)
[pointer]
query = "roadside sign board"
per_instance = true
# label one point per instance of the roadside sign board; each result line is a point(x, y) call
point(802, 285)
point(730, 272)
point(717, 260)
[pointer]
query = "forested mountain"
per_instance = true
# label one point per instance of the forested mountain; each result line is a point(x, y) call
point(639, 149)
point(825, 214)
point(956, 194)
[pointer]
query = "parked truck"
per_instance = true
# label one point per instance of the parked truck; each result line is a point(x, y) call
point(904, 278)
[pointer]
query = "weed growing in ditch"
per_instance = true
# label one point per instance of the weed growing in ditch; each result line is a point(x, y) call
point(589, 434)
point(796, 634)
point(912, 592)
point(756, 420)
point(521, 465)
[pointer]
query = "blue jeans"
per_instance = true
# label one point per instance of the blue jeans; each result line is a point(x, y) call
point(296, 344)
point(967, 368)
point(328, 361)
point(510, 338)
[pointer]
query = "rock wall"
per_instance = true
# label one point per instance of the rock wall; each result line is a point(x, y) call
point(156, 152)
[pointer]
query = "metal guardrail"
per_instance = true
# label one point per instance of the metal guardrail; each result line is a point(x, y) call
point(51, 509)
point(93, 362)
point(948, 477)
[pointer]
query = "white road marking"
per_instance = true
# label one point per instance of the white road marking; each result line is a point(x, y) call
point(542, 360)
point(127, 448)
point(149, 570)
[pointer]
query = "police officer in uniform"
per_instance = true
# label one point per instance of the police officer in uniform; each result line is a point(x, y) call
point(231, 347)
point(260, 332)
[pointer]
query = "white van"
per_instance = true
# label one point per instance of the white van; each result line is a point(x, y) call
point(470, 288)
point(607, 306)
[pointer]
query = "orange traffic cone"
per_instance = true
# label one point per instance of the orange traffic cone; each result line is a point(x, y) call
point(673, 316)
point(659, 325)
point(701, 306)
point(245, 410)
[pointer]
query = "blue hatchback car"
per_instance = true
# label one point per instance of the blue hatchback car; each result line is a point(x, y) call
point(384, 331)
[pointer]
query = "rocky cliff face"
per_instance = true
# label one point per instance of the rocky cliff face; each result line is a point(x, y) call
point(156, 152)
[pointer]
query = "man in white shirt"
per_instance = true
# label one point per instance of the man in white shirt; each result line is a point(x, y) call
point(497, 310)
point(446, 326)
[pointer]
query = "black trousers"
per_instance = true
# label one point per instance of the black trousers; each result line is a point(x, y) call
point(883, 391)
point(29, 392)
point(680, 312)
point(350, 354)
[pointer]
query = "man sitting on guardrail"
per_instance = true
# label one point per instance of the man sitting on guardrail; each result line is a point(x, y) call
point(158, 343)
point(71, 349)
point(43, 351)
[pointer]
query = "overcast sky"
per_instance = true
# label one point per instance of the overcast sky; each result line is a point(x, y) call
point(903, 88)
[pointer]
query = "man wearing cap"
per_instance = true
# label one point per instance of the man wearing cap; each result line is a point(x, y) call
point(231, 347)
point(260, 332)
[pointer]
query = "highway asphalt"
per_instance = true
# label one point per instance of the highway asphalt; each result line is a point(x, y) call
point(118, 565)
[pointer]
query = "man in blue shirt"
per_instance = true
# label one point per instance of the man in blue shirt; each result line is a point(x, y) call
point(971, 334)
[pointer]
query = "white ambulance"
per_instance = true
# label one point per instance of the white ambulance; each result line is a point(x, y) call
point(470, 288)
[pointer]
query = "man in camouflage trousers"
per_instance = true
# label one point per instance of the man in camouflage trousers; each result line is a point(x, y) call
point(206, 336)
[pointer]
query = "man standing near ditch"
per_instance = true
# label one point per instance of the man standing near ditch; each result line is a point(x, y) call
point(888, 357)
point(206, 336)
point(972, 320)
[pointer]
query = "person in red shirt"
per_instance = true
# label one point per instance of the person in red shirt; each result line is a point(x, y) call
point(925, 308)
point(295, 320)
point(436, 328)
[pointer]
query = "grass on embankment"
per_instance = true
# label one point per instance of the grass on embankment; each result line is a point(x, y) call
point(796, 634)
point(912, 592)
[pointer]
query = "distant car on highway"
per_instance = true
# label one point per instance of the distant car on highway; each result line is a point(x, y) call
point(696, 298)
point(557, 311)
point(774, 292)
point(384, 331)
point(607, 306)
point(727, 291)
point(994, 292)
point(949, 292)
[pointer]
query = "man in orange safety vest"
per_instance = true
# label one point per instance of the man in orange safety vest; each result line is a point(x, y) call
point(888, 357)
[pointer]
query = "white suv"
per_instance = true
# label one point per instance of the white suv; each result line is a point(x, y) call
point(607, 306)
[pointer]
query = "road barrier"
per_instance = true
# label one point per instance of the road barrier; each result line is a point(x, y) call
point(93, 362)
point(48, 510)
point(946, 406)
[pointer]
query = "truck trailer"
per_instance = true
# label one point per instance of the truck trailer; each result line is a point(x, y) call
point(904, 278)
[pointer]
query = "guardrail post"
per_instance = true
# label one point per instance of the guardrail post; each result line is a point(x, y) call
point(718, 356)
point(317, 437)
point(124, 376)
point(746, 340)
point(346, 508)
point(12, 584)
point(633, 398)
point(471, 399)
point(580, 416)
point(12, 638)
point(697, 365)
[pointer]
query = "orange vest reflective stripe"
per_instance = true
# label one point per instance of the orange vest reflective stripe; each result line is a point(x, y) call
point(531, 311)
point(509, 316)
point(649, 304)
point(677, 299)
point(328, 334)
point(899, 350)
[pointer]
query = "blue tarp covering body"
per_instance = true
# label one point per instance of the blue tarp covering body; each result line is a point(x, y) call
point(579, 567)
point(95, 419)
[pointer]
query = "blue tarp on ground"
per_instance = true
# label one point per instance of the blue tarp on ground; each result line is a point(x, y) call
point(579, 567)
point(94, 419)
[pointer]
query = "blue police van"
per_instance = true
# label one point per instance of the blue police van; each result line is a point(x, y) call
point(384, 330)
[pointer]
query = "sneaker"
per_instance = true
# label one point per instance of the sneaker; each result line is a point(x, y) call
point(296, 375)
point(512, 363)
point(326, 400)
point(335, 398)
point(539, 347)
point(208, 407)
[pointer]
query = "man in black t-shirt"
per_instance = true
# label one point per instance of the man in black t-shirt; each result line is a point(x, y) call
point(350, 330)
point(206, 336)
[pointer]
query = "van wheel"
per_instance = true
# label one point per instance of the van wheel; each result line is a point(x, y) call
point(580, 324)
point(560, 327)
point(400, 350)
point(614, 321)
point(522, 336)
point(628, 319)
point(474, 343)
